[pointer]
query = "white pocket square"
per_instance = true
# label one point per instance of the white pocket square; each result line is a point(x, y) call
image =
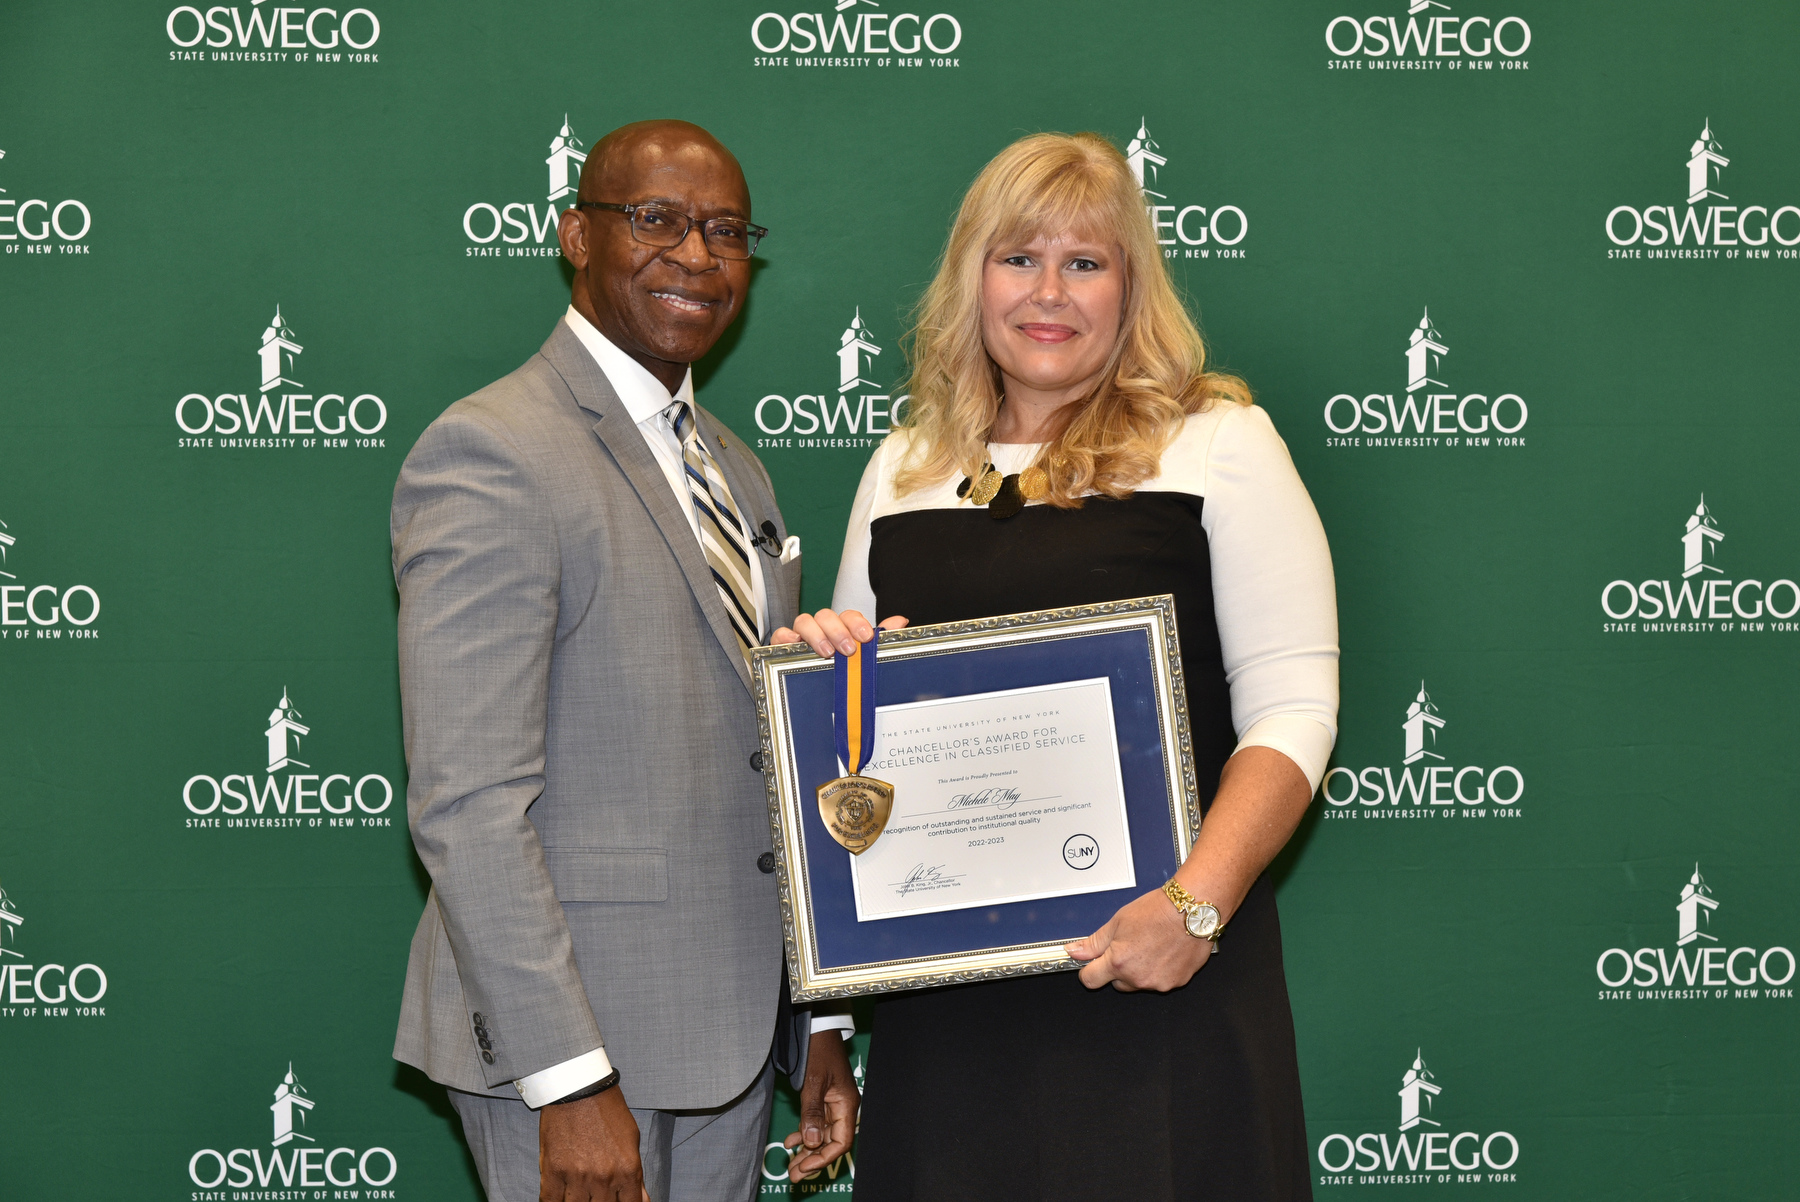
point(790, 550)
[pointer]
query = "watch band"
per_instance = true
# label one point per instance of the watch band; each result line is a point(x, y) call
point(601, 1086)
point(1186, 903)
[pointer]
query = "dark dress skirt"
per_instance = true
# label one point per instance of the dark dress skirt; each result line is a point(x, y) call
point(1035, 1087)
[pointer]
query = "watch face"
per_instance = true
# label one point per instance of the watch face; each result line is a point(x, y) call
point(1202, 921)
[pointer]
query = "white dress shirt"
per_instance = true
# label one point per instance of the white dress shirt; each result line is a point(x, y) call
point(645, 398)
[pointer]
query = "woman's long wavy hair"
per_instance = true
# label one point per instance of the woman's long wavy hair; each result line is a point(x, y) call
point(1113, 439)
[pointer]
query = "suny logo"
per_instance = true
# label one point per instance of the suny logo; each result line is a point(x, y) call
point(10, 922)
point(1436, 42)
point(43, 990)
point(1184, 225)
point(42, 611)
point(1427, 1156)
point(272, 35)
point(1433, 414)
point(313, 799)
point(30, 223)
point(301, 1166)
point(1427, 786)
point(1653, 974)
point(854, 38)
point(295, 419)
point(1661, 231)
point(1705, 601)
point(862, 414)
point(516, 223)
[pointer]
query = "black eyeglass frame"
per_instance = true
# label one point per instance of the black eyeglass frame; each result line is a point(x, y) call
point(755, 233)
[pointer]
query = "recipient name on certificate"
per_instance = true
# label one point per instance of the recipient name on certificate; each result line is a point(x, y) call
point(998, 797)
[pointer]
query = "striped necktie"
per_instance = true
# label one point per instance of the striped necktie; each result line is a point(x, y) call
point(722, 535)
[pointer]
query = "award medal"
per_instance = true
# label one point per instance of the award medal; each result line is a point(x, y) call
point(855, 808)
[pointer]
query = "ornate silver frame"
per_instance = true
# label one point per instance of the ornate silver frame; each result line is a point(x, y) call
point(771, 666)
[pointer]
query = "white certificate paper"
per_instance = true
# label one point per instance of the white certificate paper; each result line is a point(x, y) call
point(998, 797)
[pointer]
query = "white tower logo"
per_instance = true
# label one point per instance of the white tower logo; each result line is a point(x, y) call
point(278, 352)
point(1416, 1086)
point(566, 158)
point(1704, 162)
point(290, 1097)
point(1425, 352)
point(1140, 152)
point(856, 355)
point(1419, 6)
point(284, 725)
point(10, 922)
point(1696, 904)
point(1421, 727)
point(1700, 542)
point(6, 541)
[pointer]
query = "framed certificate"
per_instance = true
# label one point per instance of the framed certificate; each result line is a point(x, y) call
point(1042, 774)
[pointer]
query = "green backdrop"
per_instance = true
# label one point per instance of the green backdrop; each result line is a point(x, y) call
point(1538, 927)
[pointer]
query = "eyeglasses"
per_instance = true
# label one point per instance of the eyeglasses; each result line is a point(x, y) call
point(658, 225)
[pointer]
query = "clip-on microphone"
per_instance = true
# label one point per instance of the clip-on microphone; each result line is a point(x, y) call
point(770, 542)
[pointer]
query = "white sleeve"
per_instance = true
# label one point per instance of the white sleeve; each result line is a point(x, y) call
point(560, 1080)
point(1273, 593)
point(843, 1024)
point(853, 589)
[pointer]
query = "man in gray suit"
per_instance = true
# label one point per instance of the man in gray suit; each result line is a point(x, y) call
point(584, 558)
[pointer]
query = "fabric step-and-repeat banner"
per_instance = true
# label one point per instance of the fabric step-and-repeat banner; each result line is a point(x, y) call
point(1516, 281)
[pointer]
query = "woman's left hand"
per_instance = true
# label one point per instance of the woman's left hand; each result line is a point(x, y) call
point(1145, 946)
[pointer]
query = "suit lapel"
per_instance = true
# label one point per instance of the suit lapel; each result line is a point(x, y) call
point(755, 505)
point(622, 440)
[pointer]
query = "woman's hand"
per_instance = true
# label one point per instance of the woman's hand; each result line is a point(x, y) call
point(827, 632)
point(1145, 946)
point(1262, 794)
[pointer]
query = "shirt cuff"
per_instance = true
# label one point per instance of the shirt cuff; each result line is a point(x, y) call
point(843, 1024)
point(1306, 741)
point(561, 1080)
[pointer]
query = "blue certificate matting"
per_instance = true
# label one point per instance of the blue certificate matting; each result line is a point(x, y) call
point(1123, 656)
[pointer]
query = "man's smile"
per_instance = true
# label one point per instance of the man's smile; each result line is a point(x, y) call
point(684, 304)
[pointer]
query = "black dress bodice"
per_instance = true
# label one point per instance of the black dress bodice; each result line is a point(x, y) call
point(1045, 558)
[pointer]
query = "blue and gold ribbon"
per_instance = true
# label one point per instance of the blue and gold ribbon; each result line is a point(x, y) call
point(855, 702)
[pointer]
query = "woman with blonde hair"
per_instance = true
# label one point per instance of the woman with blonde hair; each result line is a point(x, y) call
point(1066, 445)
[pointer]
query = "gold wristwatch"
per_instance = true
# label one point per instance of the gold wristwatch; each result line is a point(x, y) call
point(1200, 918)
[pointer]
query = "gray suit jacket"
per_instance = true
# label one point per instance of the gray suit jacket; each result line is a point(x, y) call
point(579, 733)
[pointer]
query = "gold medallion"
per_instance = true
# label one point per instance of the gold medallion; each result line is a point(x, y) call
point(1034, 482)
point(855, 809)
point(986, 487)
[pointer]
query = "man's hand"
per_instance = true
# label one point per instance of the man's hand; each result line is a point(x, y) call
point(588, 1151)
point(828, 1104)
point(1145, 946)
point(826, 631)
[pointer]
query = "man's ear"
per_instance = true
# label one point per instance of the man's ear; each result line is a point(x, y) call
point(571, 231)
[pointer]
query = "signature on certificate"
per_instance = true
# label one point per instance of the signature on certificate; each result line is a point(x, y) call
point(999, 799)
point(925, 877)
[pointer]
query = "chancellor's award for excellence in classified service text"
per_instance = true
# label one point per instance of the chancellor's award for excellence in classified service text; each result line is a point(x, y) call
point(998, 797)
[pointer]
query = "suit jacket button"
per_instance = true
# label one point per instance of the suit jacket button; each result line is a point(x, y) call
point(766, 861)
point(756, 761)
point(487, 1056)
point(478, 1019)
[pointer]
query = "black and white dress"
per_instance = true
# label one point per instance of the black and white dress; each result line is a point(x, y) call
point(1035, 1087)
